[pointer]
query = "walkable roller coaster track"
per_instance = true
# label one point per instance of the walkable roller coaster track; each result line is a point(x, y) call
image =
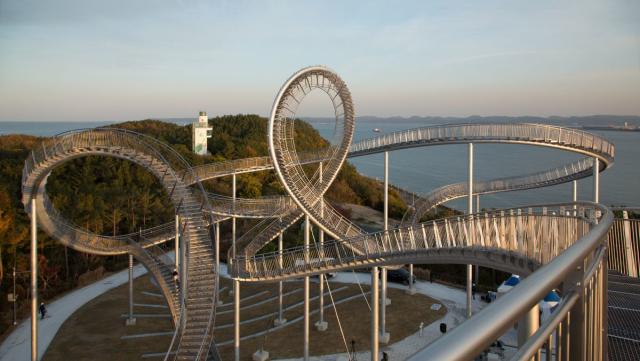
point(556, 245)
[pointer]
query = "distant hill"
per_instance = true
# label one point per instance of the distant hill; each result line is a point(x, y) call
point(112, 196)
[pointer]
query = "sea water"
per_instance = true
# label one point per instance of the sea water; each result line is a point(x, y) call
point(423, 169)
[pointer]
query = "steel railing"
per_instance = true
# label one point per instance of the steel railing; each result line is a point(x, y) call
point(168, 165)
point(508, 132)
point(624, 246)
point(514, 231)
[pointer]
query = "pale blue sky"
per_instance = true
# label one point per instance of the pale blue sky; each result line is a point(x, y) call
point(119, 60)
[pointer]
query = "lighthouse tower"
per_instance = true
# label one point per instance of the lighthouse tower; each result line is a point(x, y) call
point(200, 133)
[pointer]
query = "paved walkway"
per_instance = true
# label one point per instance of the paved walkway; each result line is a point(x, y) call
point(454, 299)
point(17, 346)
point(624, 318)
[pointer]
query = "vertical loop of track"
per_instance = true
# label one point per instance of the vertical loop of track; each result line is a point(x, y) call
point(302, 184)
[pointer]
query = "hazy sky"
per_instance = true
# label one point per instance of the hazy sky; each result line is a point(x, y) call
point(133, 59)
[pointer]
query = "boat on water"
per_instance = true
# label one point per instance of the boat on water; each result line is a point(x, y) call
point(376, 130)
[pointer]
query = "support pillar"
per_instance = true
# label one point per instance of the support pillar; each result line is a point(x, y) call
point(34, 282)
point(384, 335)
point(307, 230)
point(236, 320)
point(574, 336)
point(217, 240)
point(280, 320)
point(375, 302)
point(182, 273)
point(411, 290)
point(596, 180)
point(233, 219)
point(470, 211)
point(321, 324)
point(476, 271)
point(386, 191)
point(575, 191)
point(131, 321)
point(177, 243)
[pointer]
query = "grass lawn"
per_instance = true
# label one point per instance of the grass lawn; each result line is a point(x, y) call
point(93, 332)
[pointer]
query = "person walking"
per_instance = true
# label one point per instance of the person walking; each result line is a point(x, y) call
point(43, 310)
point(176, 279)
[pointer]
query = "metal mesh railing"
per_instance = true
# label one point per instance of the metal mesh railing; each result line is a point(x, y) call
point(273, 206)
point(537, 233)
point(562, 174)
point(166, 164)
point(624, 247)
point(507, 132)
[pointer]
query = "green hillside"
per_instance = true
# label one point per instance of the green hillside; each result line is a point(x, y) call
point(112, 196)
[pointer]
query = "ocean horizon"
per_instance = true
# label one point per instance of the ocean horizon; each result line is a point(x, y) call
point(423, 169)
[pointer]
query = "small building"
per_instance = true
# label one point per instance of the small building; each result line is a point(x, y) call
point(200, 133)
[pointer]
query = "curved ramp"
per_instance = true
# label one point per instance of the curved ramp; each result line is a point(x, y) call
point(195, 329)
point(515, 240)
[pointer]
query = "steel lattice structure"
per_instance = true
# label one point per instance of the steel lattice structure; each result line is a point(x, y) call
point(559, 244)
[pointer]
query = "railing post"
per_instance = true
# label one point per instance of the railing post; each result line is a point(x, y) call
point(528, 325)
point(632, 267)
point(576, 330)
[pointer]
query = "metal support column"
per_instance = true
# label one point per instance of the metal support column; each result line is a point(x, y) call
point(177, 244)
point(307, 230)
point(596, 180)
point(575, 190)
point(182, 273)
point(280, 320)
point(384, 335)
point(236, 319)
point(217, 240)
point(34, 282)
point(476, 271)
point(131, 321)
point(411, 290)
point(386, 191)
point(233, 219)
point(576, 330)
point(375, 302)
point(470, 211)
point(321, 324)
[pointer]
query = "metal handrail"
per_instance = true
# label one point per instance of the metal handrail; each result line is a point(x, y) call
point(485, 327)
point(511, 230)
point(528, 133)
point(136, 147)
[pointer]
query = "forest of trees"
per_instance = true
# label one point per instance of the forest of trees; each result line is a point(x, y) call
point(112, 196)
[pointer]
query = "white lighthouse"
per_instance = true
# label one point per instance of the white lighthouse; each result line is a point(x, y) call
point(200, 133)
